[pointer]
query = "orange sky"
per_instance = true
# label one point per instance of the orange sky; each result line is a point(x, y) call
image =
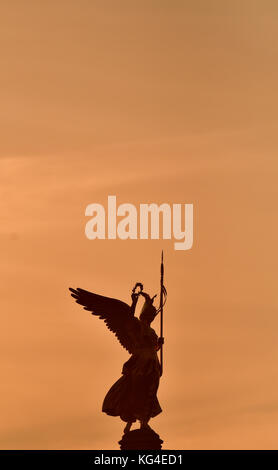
point(153, 101)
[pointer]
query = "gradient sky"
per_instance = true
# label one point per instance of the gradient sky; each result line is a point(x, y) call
point(153, 101)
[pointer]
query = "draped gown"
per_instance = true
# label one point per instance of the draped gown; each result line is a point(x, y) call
point(133, 396)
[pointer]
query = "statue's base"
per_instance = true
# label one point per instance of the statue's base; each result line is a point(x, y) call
point(141, 439)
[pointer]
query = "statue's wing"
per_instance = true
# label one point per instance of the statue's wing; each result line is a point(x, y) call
point(116, 314)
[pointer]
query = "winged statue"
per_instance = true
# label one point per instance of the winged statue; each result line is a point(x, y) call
point(134, 396)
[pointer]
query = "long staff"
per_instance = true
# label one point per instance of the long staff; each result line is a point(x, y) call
point(162, 292)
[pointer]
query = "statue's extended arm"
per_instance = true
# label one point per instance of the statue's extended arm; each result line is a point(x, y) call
point(135, 295)
point(134, 298)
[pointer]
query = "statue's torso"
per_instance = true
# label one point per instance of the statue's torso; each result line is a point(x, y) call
point(144, 358)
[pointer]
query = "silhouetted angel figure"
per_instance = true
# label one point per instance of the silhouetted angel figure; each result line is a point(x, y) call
point(133, 396)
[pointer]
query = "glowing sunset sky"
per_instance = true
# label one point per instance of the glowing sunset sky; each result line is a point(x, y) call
point(153, 101)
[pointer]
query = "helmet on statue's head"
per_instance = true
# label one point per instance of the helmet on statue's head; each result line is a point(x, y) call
point(148, 311)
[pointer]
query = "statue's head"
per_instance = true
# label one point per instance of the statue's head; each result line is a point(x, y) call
point(148, 312)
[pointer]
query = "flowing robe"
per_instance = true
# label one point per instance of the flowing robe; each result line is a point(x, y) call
point(134, 395)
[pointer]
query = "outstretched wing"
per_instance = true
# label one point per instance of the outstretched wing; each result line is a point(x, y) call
point(116, 314)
